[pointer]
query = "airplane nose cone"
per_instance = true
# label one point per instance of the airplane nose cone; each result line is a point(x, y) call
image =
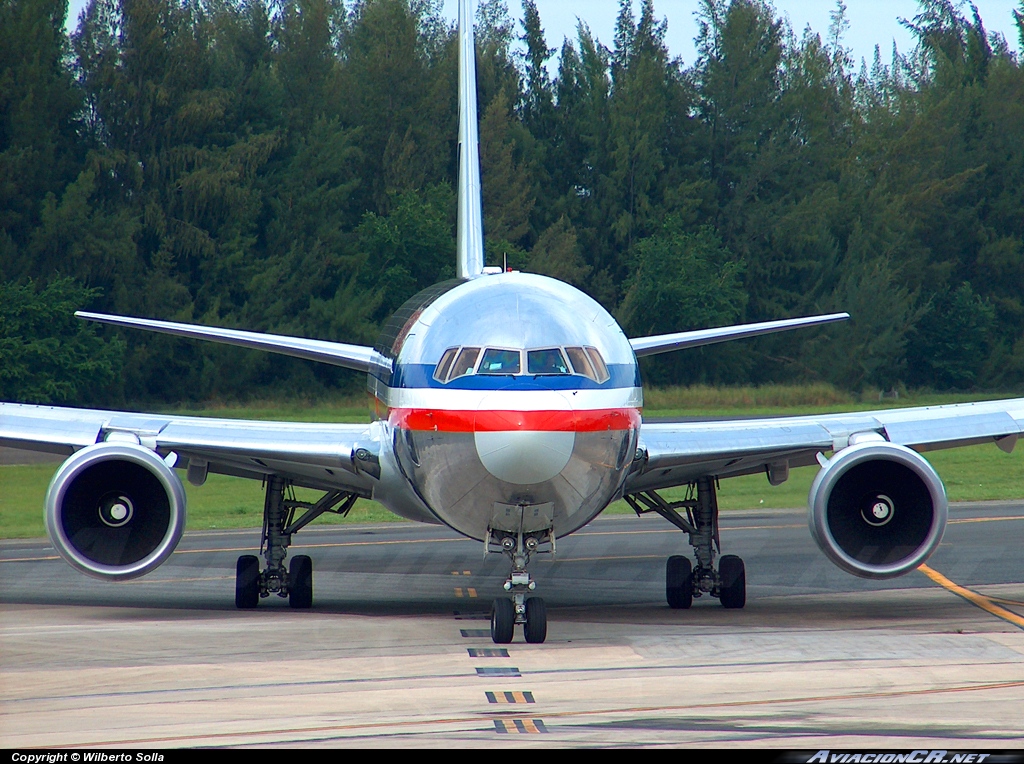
point(525, 447)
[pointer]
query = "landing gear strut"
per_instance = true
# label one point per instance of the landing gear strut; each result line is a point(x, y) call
point(683, 582)
point(530, 612)
point(295, 581)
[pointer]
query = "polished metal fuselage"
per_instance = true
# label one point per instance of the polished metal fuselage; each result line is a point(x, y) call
point(506, 452)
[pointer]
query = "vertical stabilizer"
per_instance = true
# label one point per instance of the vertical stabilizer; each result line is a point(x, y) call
point(471, 221)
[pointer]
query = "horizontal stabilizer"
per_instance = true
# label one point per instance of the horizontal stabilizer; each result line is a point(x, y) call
point(358, 357)
point(664, 343)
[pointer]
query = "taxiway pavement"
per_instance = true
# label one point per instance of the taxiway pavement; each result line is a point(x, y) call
point(395, 651)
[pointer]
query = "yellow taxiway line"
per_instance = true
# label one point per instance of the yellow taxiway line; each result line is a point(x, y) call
point(973, 597)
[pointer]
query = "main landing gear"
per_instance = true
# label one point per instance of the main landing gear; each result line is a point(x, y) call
point(683, 582)
point(295, 581)
point(529, 612)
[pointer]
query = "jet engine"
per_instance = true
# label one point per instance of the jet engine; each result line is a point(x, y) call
point(877, 509)
point(115, 510)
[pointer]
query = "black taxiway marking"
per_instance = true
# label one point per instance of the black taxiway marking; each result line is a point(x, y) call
point(498, 671)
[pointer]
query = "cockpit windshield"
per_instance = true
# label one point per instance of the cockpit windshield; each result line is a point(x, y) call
point(462, 361)
point(549, 361)
point(497, 361)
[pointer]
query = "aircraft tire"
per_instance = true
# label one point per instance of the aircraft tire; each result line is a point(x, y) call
point(679, 582)
point(247, 582)
point(536, 628)
point(503, 621)
point(733, 594)
point(300, 582)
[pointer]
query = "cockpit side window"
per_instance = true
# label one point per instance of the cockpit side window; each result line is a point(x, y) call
point(600, 368)
point(498, 361)
point(441, 372)
point(581, 363)
point(464, 363)
point(547, 361)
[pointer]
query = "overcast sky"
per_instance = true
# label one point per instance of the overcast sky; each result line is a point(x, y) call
point(871, 21)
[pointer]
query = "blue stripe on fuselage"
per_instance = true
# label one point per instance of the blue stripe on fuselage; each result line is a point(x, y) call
point(417, 375)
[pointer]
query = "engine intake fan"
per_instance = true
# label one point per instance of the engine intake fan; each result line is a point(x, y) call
point(877, 510)
point(115, 510)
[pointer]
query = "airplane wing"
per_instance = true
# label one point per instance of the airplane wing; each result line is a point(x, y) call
point(314, 455)
point(357, 357)
point(665, 343)
point(677, 453)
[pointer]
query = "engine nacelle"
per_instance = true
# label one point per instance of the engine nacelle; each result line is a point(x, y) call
point(115, 510)
point(877, 509)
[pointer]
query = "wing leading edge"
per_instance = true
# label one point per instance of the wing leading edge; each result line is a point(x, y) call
point(357, 357)
point(665, 343)
point(326, 456)
point(677, 453)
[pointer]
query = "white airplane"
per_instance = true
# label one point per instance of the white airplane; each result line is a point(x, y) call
point(508, 407)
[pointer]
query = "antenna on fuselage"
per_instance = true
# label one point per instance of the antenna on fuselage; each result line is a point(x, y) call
point(471, 220)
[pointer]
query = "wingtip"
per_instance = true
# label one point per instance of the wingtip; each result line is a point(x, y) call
point(100, 318)
point(828, 318)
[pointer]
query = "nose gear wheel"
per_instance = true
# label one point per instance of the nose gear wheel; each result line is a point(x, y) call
point(507, 613)
point(503, 621)
point(535, 630)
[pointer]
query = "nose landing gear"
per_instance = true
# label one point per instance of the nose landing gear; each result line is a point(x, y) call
point(529, 612)
point(684, 582)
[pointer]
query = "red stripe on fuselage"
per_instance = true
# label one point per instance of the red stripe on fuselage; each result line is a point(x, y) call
point(441, 420)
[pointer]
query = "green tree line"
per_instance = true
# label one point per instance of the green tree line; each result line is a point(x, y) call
point(290, 166)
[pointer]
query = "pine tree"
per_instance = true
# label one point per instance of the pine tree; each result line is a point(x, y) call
point(39, 104)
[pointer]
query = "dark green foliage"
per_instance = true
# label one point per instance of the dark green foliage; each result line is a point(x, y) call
point(39, 148)
point(557, 254)
point(407, 250)
point(948, 347)
point(538, 95)
point(290, 167)
point(683, 281)
point(508, 192)
point(49, 356)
